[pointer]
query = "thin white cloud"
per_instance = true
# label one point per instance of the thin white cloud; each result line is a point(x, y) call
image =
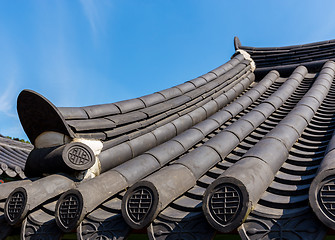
point(95, 12)
point(91, 11)
point(7, 100)
point(9, 73)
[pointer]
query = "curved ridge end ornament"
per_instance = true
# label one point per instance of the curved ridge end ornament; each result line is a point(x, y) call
point(37, 115)
point(225, 204)
point(321, 198)
point(247, 57)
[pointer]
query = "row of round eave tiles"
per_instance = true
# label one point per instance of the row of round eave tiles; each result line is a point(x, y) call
point(233, 157)
point(301, 152)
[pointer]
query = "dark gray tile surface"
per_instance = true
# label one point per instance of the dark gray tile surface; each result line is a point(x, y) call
point(229, 150)
point(13, 156)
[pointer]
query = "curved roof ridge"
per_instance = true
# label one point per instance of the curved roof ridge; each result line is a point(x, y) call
point(286, 59)
point(238, 45)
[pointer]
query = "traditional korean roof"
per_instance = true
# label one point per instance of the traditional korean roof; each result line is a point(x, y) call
point(248, 146)
point(13, 156)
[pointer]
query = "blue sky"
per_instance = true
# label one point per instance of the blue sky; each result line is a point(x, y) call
point(79, 53)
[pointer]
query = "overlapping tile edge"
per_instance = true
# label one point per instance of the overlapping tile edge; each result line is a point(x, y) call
point(255, 141)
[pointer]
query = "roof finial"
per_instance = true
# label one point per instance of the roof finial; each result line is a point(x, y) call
point(237, 43)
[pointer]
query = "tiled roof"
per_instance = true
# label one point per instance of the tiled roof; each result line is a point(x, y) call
point(235, 149)
point(13, 156)
point(285, 59)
